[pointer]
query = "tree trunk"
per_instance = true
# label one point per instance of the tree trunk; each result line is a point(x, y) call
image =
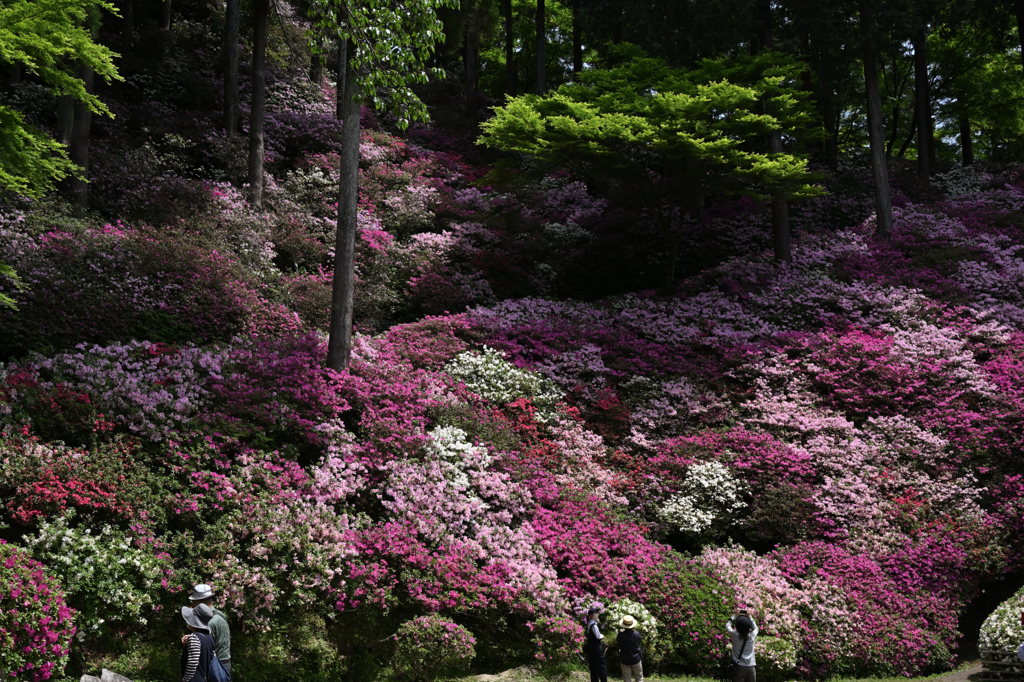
point(966, 141)
point(577, 39)
point(471, 49)
point(922, 105)
point(65, 118)
point(763, 38)
point(165, 16)
point(261, 8)
point(541, 44)
point(510, 51)
point(127, 26)
point(339, 100)
point(1019, 7)
point(78, 149)
point(780, 215)
point(339, 344)
point(231, 21)
point(14, 73)
point(316, 67)
point(876, 137)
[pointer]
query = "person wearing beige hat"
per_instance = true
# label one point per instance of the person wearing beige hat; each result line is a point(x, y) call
point(630, 655)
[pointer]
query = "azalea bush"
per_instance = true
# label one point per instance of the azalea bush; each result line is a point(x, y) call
point(431, 647)
point(36, 626)
point(1002, 629)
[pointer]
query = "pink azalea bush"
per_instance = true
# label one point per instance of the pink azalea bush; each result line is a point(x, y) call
point(35, 625)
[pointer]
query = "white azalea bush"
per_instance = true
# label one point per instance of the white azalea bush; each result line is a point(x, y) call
point(494, 378)
point(654, 646)
point(106, 576)
point(1002, 630)
point(709, 494)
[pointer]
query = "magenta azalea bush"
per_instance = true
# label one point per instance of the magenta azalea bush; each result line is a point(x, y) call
point(36, 626)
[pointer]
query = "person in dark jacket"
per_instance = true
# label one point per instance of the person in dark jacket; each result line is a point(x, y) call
point(629, 651)
point(595, 647)
point(198, 646)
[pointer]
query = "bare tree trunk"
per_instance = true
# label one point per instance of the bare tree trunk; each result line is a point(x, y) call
point(471, 49)
point(316, 67)
point(541, 44)
point(966, 141)
point(231, 29)
point(510, 51)
point(127, 26)
point(78, 149)
point(165, 16)
point(261, 8)
point(780, 215)
point(876, 136)
point(339, 343)
point(339, 101)
point(577, 40)
point(14, 73)
point(763, 38)
point(922, 104)
point(65, 118)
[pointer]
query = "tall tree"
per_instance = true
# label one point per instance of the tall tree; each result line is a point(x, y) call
point(258, 106)
point(78, 146)
point(541, 47)
point(577, 38)
point(232, 19)
point(510, 49)
point(388, 45)
point(922, 103)
point(876, 135)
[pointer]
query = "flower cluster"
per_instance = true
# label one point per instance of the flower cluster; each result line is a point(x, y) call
point(36, 626)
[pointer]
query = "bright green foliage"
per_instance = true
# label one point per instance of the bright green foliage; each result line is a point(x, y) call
point(8, 272)
point(701, 130)
point(666, 138)
point(47, 37)
point(393, 42)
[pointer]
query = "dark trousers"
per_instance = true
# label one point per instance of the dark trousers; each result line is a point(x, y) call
point(598, 668)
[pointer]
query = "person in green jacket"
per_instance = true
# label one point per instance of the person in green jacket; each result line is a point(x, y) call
point(219, 630)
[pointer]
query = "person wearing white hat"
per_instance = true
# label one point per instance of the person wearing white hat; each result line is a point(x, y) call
point(198, 647)
point(219, 629)
point(630, 656)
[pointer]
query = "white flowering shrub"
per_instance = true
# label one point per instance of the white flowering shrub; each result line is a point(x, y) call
point(569, 234)
point(776, 659)
point(646, 624)
point(709, 493)
point(458, 454)
point(494, 378)
point(105, 575)
point(1002, 630)
point(960, 180)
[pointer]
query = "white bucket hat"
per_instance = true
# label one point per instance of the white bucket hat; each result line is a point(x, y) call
point(201, 592)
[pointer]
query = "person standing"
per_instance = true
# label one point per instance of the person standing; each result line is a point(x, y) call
point(197, 651)
point(742, 632)
point(630, 656)
point(219, 629)
point(595, 647)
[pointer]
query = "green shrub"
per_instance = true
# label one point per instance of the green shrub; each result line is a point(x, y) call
point(776, 659)
point(557, 640)
point(431, 647)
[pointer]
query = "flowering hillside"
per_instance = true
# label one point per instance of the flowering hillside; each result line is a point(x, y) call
point(835, 444)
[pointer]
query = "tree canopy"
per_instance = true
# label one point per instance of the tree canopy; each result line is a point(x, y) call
point(666, 138)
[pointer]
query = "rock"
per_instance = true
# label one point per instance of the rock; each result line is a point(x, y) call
point(90, 678)
point(108, 676)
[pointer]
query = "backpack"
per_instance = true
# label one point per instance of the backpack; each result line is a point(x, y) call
point(217, 672)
